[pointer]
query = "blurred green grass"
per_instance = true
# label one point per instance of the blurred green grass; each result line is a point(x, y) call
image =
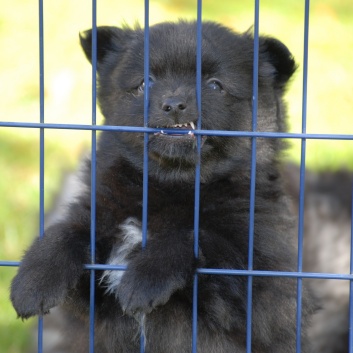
point(68, 99)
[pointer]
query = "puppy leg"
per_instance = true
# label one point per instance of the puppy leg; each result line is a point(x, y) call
point(51, 267)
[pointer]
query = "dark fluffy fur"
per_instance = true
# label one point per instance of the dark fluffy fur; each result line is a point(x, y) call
point(327, 238)
point(156, 288)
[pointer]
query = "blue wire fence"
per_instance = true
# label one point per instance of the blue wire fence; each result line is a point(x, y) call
point(254, 134)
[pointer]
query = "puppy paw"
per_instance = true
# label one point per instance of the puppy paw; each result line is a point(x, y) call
point(140, 295)
point(152, 275)
point(31, 296)
point(44, 278)
point(35, 290)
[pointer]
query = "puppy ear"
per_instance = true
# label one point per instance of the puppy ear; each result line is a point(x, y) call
point(275, 53)
point(109, 40)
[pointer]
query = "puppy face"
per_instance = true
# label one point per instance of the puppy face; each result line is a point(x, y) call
point(226, 90)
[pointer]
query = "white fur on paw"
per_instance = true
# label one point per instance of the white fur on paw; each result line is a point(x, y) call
point(131, 233)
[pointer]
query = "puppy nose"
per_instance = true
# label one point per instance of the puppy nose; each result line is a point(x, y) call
point(174, 105)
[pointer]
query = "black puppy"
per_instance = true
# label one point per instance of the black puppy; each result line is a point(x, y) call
point(154, 294)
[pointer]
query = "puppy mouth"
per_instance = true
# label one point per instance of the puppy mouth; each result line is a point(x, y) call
point(190, 126)
point(175, 144)
point(184, 134)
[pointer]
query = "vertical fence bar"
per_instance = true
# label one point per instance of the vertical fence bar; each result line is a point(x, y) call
point(93, 177)
point(197, 170)
point(302, 176)
point(41, 147)
point(145, 146)
point(199, 123)
point(350, 337)
point(145, 122)
point(252, 176)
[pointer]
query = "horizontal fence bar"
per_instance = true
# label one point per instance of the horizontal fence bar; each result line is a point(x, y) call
point(258, 273)
point(284, 135)
point(216, 271)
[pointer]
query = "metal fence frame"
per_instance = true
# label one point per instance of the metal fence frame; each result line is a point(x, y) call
point(254, 134)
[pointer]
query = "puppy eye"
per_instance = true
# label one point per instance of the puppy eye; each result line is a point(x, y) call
point(215, 84)
point(141, 88)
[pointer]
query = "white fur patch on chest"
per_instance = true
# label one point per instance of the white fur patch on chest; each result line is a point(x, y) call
point(131, 234)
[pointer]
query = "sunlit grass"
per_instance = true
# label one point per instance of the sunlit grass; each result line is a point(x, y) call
point(68, 98)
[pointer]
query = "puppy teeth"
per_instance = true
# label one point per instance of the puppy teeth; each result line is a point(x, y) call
point(180, 125)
